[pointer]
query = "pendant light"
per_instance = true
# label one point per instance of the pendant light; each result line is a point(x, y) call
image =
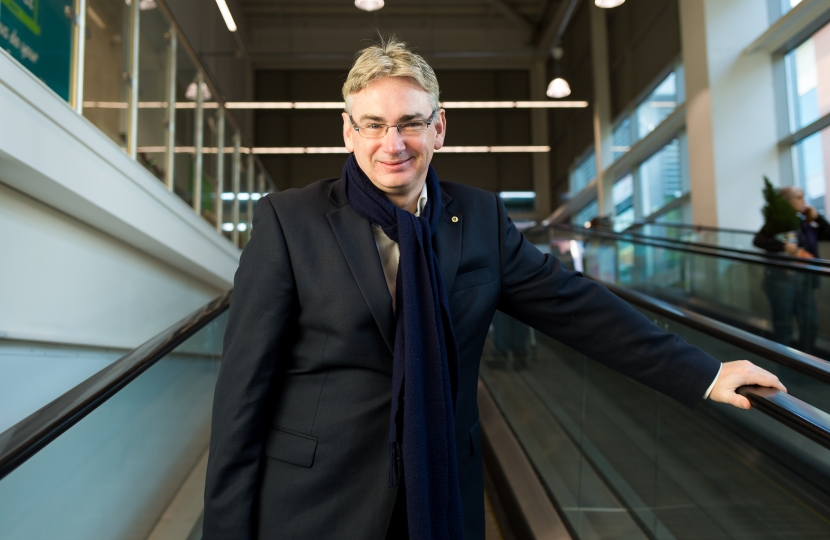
point(558, 87)
point(608, 4)
point(368, 5)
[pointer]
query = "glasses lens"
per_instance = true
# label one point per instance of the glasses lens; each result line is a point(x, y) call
point(413, 128)
point(373, 131)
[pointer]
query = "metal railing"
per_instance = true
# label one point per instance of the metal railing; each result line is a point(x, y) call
point(164, 109)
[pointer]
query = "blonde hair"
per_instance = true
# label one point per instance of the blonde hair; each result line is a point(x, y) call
point(389, 58)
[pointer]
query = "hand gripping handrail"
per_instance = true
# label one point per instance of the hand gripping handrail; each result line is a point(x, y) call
point(27, 437)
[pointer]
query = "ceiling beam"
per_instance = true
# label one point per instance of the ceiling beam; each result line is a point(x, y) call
point(550, 34)
point(514, 16)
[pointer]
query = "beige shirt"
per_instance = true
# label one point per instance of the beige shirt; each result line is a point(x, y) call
point(390, 255)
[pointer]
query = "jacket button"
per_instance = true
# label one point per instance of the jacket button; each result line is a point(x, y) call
point(455, 219)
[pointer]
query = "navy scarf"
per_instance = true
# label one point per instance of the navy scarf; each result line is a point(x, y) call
point(425, 367)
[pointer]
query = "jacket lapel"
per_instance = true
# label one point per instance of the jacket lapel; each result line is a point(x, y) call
point(354, 234)
point(447, 242)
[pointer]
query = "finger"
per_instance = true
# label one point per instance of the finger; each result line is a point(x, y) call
point(739, 401)
point(762, 377)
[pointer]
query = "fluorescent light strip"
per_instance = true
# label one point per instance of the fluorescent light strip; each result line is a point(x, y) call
point(341, 149)
point(517, 194)
point(226, 14)
point(323, 105)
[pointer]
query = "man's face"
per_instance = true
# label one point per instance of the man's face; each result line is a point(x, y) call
point(798, 203)
point(397, 164)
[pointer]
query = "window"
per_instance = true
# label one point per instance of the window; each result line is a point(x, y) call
point(622, 195)
point(661, 180)
point(808, 82)
point(657, 106)
point(648, 114)
point(621, 138)
point(810, 168)
point(588, 212)
point(787, 5)
point(808, 97)
point(584, 172)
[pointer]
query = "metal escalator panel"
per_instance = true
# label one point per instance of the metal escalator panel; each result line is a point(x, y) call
point(622, 461)
point(105, 459)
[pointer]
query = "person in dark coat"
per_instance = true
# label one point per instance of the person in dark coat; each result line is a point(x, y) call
point(792, 293)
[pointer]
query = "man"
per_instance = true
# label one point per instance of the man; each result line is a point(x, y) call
point(346, 402)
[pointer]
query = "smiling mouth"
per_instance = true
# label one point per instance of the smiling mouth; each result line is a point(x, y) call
point(395, 163)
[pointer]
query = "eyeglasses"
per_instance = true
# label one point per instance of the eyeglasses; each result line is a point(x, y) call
point(410, 128)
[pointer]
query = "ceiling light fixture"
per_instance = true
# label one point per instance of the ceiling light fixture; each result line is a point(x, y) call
point(607, 4)
point(368, 5)
point(226, 14)
point(558, 87)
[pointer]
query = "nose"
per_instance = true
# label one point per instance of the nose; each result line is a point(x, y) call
point(393, 142)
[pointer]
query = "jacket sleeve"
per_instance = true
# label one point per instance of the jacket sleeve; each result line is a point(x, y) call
point(823, 228)
point(584, 315)
point(261, 308)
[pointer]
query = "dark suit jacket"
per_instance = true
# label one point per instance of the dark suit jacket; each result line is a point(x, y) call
point(301, 413)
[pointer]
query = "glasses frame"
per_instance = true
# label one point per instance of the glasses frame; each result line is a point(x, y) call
point(387, 126)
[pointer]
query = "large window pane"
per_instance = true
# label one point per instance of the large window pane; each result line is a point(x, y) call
point(105, 66)
point(622, 195)
point(661, 180)
point(808, 79)
point(787, 5)
point(622, 138)
point(657, 106)
point(588, 212)
point(810, 160)
point(584, 172)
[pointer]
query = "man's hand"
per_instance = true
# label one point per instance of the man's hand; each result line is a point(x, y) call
point(810, 213)
point(741, 373)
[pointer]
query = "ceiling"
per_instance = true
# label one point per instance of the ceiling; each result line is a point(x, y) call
point(325, 34)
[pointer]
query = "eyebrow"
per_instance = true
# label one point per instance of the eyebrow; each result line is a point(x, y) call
point(404, 118)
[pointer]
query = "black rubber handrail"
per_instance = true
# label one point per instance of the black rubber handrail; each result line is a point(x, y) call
point(811, 266)
point(780, 354)
point(693, 227)
point(27, 437)
point(802, 417)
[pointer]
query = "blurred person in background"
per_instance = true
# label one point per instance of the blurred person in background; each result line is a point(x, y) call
point(792, 294)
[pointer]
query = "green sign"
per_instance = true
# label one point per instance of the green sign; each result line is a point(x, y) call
point(38, 33)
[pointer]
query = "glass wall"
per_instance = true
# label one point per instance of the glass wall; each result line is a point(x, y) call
point(661, 180)
point(584, 171)
point(808, 97)
point(622, 195)
point(649, 113)
point(588, 212)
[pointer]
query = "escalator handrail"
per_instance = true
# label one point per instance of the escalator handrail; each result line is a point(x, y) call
point(30, 435)
point(811, 266)
point(694, 227)
point(802, 417)
point(780, 354)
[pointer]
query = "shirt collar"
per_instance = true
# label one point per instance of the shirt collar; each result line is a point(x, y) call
point(422, 201)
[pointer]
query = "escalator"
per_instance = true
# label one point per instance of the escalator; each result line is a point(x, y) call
point(711, 272)
point(571, 449)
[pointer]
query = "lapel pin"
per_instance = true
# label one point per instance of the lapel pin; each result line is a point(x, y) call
point(455, 219)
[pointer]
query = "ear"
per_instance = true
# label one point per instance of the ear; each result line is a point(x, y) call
point(348, 132)
point(440, 124)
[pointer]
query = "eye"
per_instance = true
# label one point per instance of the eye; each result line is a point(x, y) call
point(372, 126)
point(413, 124)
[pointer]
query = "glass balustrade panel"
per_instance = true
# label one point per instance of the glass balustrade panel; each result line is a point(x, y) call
point(113, 473)
point(106, 67)
point(623, 461)
point(185, 147)
point(154, 51)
